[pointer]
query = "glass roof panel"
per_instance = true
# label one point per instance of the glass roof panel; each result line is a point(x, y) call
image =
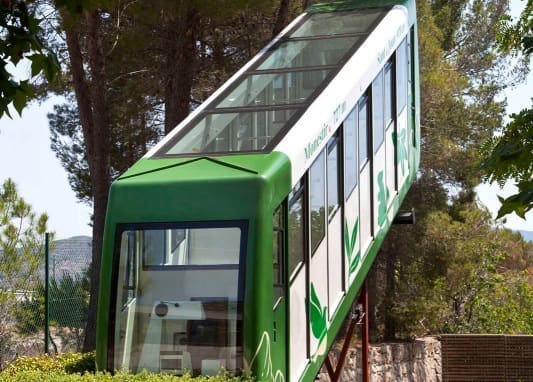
point(274, 89)
point(299, 54)
point(260, 103)
point(332, 23)
point(231, 132)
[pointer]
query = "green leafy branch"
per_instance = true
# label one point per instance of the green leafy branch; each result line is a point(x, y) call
point(510, 157)
point(20, 40)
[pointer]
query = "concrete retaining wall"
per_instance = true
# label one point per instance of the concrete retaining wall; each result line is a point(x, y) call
point(418, 361)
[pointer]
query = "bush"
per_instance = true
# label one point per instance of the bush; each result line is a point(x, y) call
point(79, 363)
point(68, 363)
point(78, 367)
point(41, 376)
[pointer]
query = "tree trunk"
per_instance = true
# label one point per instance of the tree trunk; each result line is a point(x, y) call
point(281, 17)
point(90, 96)
point(390, 291)
point(374, 296)
point(180, 64)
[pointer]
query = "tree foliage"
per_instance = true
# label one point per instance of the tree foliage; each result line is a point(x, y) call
point(21, 239)
point(21, 256)
point(19, 36)
point(509, 156)
point(459, 85)
point(463, 276)
point(145, 98)
point(518, 37)
point(449, 272)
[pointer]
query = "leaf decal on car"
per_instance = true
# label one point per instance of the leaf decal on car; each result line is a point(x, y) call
point(318, 315)
point(350, 242)
point(383, 197)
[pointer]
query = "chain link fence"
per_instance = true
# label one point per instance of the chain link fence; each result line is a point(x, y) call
point(23, 302)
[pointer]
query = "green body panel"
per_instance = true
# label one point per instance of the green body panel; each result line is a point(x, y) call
point(180, 190)
point(280, 340)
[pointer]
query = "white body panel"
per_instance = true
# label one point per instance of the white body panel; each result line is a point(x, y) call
point(365, 207)
point(379, 186)
point(351, 213)
point(319, 278)
point(298, 326)
point(335, 260)
point(403, 162)
point(390, 160)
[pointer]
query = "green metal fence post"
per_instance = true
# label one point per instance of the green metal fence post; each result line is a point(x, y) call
point(46, 292)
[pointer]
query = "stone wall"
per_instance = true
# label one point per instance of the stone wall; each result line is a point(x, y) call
point(418, 361)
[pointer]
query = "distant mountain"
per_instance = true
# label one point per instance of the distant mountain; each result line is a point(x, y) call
point(527, 235)
point(79, 244)
point(70, 256)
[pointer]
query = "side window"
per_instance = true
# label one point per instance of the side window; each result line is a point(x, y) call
point(317, 191)
point(350, 153)
point(363, 132)
point(296, 227)
point(190, 247)
point(153, 246)
point(160, 247)
point(401, 75)
point(389, 95)
point(333, 176)
point(129, 281)
point(377, 111)
point(277, 253)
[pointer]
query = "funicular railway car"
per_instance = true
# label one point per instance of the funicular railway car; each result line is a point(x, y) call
point(241, 240)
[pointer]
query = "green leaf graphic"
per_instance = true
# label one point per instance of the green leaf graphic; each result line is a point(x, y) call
point(383, 197)
point(350, 242)
point(318, 315)
point(354, 262)
point(266, 371)
point(347, 240)
point(401, 145)
point(355, 231)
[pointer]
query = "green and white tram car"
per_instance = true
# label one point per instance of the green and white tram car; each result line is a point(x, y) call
point(241, 240)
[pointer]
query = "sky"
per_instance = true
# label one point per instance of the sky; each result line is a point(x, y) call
point(26, 158)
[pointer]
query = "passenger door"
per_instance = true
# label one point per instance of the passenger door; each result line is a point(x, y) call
point(128, 281)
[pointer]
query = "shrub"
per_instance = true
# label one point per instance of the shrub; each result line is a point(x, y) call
point(68, 363)
point(43, 363)
point(78, 367)
point(46, 376)
point(79, 363)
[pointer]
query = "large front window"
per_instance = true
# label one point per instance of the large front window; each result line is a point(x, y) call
point(178, 303)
